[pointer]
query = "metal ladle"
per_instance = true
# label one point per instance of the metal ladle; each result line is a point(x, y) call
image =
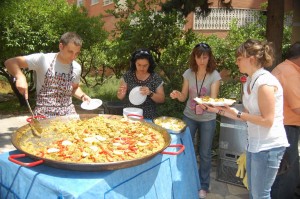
point(34, 124)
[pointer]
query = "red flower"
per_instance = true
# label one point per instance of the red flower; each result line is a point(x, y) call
point(243, 78)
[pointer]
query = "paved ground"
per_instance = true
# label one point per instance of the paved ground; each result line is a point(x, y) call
point(9, 124)
point(219, 190)
point(222, 190)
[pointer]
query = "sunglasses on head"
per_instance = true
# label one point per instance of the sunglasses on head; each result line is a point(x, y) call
point(203, 45)
point(142, 52)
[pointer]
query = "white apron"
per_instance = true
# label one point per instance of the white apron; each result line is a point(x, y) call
point(55, 96)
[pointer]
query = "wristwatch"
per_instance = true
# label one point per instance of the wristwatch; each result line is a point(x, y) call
point(151, 94)
point(239, 114)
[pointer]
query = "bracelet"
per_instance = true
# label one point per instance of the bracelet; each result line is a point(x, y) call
point(239, 114)
point(82, 96)
point(221, 112)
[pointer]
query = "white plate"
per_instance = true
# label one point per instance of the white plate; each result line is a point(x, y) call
point(93, 104)
point(135, 96)
point(228, 102)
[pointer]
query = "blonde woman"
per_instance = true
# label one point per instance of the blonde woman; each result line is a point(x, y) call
point(263, 102)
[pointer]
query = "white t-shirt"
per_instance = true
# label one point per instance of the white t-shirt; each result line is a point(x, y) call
point(41, 62)
point(261, 138)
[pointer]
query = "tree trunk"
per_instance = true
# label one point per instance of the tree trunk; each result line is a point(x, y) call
point(275, 19)
point(296, 21)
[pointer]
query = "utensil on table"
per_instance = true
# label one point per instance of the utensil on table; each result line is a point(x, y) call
point(34, 123)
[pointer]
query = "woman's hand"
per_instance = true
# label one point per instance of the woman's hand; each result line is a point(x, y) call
point(145, 90)
point(122, 91)
point(210, 108)
point(175, 94)
point(226, 110)
point(231, 110)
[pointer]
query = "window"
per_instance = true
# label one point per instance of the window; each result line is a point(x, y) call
point(79, 2)
point(220, 18)
point(106, 2)
point(93, 2)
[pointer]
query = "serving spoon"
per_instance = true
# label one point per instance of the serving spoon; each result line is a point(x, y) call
point(34, 123)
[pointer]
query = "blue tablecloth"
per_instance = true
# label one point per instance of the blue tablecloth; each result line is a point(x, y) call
point(163, 177)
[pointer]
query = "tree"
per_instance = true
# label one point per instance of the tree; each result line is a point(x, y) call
point(274, 25)
point(186, 7)
point(274, 33)
point(147, 27)
point(161, 33)
point(171, 46)
point(30, 26)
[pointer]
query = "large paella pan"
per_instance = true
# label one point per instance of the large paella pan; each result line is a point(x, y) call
point(72, 142)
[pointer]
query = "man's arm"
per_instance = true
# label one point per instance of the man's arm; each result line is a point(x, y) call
point(79, 94)
point(14, 66)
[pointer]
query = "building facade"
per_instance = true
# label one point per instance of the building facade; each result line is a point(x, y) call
point(216, 22)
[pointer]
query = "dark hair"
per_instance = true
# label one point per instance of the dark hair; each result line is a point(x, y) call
point(198, 50)
point(294, 51)
point(262, 50)
point(142, 54)
point(69, 37)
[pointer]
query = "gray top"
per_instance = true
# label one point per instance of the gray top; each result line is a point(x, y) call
point(189, 110)
point(40, 63)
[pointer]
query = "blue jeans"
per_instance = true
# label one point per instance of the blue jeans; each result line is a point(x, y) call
point(261, 170)
point(286, 180)
point(206, 131)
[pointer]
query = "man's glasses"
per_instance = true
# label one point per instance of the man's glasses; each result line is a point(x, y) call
point(203, 45)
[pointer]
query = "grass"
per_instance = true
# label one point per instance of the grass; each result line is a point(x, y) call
point(9, 104)
point(106, 92)
point(12, 107)
point(5, 87)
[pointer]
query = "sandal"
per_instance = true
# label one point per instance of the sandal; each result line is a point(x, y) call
point(202, 193)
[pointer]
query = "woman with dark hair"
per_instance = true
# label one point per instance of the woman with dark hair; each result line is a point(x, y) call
point(142, 74)
point(201, 79)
